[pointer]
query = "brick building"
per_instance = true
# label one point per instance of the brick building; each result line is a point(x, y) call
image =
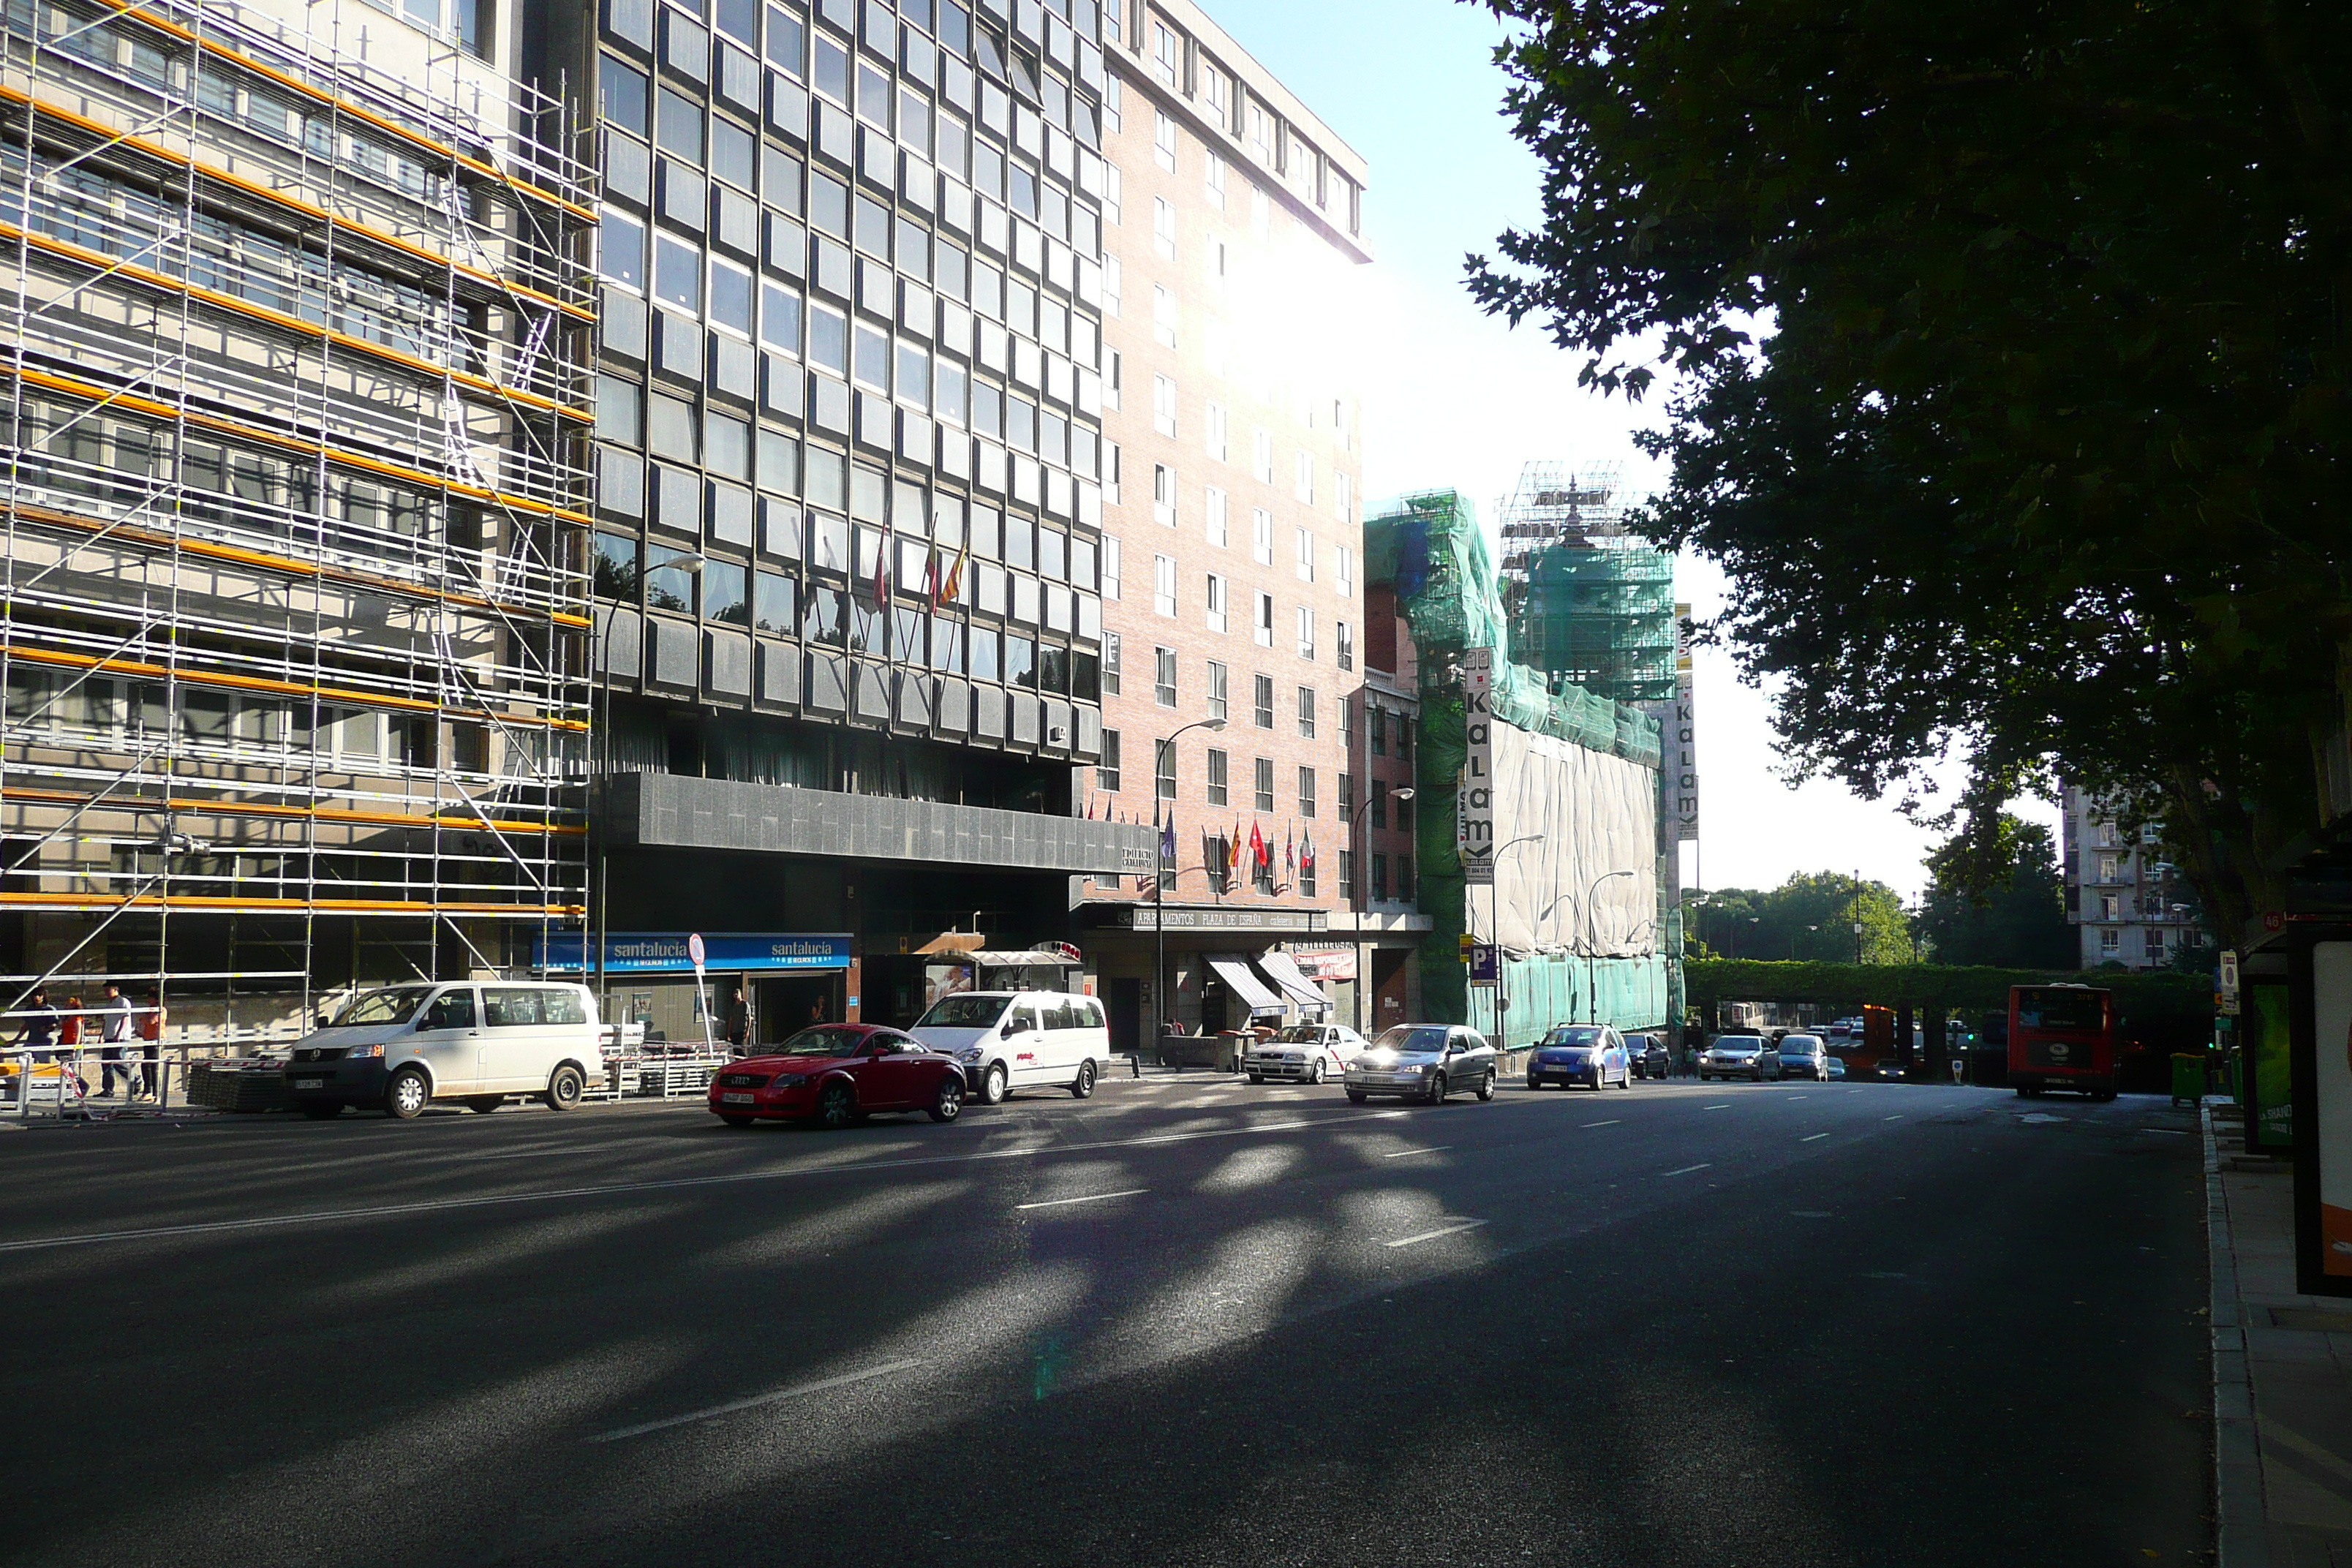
point(1232, 532)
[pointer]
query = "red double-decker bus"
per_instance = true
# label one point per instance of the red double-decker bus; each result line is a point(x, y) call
point(2062, 1037)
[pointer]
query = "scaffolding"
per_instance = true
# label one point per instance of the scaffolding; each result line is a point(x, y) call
point(296, 435)
point(1589, 603)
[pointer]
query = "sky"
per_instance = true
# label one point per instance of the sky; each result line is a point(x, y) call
point(1453, 397)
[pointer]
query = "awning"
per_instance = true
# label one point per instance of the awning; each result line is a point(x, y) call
point(1284, 973)
point(998, 958)
point(1243, 982)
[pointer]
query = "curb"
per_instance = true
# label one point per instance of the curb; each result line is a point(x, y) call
point(2238, 1541)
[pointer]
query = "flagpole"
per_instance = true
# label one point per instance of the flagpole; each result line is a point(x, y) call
point(1163, 764)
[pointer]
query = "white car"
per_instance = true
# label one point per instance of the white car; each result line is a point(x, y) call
point(400, 1049)
point(1303, 1053)
point(1005, 1041)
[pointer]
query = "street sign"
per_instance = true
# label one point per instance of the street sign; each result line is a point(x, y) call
point(1482, 963)
point(2227, 985)
point(1468, 942)
point(696, 951)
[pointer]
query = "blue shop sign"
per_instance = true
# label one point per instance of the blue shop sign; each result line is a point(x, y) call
point(664, 952)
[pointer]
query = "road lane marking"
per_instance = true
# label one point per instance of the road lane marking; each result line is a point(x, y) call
point(1089, 1198)
point(1612, 1122)
point(1686, 1170)
point(1400, 1153)
point(1811, 1136)
point(1896, 1117)
point(1725, 1106)
point(795, 1392)
point(1792, 1098)
point(1433, 1235)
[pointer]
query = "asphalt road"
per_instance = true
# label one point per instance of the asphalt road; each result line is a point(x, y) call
point(1186, 1321)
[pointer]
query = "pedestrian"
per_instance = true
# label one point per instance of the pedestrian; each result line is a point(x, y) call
point(69, 1028)
point(40, 1033)
point(150, 1029)
point(738, 1024)
point(114, 1034)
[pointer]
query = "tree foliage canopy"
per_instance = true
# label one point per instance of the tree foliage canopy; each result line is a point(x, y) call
point(1810, 916)
point(2008, 911)
point(2008, 376)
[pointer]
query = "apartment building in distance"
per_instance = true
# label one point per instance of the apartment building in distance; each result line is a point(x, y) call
point(298, 335)
point(1232, 534)
point(849, 551)
point(2129, 904)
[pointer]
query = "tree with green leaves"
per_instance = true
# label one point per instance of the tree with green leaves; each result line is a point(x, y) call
point(1810, 916)
point(2007, 354)
point(2010, 913)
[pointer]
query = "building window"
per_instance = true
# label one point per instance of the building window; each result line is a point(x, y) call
point(1163, 404)
point(1343, 645)
point(1163, 325)
point(1214, 426)
point(1404, 875)
point(1163, 140)
point(1380, 878)
point(1262, 459)
point(1264, 624)
point(1163, 676)
point(1114, 274)
point(1106, 770)
point(1306, 563)
point(1163, 495)
point(1343, 497)
point(1376, 725)
point(1347, 800)
point(1109, 567)
point(1380, 801)
point(2106, 833)
point(1163, 228)
point(1212, 178)
point(1217, 792)
point(2111, 944)
point(1163, 770)
point(2110, 907)
point(2107, 868)
point(1110, 664)
point(1306, 792)
point(1219, 678)
point(1347, 873)
point(1113, 374)
point(1404, 738)
point(1163, 585)
point(2155, 945)
point(1306, 632)
point(1262, 536)
point(1215, 510)
point(1306, 712)
point(1263, 691)
point(1164, 52)
point(1307, 478)
point(1265, 794)
point(1214, 598)
point(1344, 572)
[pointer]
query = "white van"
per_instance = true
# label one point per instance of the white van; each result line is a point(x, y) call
point(1020, 1039)
point(400, 1049)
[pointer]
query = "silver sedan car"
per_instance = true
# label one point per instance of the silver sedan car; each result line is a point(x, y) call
point(1303, 1053)
point(1738, 1055)
point(1425, 1062)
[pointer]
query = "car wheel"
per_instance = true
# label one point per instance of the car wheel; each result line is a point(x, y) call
point(1257, 1077)
point(1534, 1083)
point(1315, 1073)
point(407, 1095)
point(1085, 1084)
point(948, 1103)
point(1487, 1087)
point(992, 1085)
point(1437, 1089)
point(732, 1120)
point(837, 1105)
point(485, 1103)
point(1357, 1097)
point(322, 1110)
point(564, 1090)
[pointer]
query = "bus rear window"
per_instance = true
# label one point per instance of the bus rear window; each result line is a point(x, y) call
point(2060, 1010)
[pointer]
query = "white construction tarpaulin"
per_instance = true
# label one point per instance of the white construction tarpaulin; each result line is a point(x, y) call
point(1597, 814)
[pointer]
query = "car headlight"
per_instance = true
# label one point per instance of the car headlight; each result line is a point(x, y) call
point(358, 1053)
point(969, 1054)
point(788, 1080)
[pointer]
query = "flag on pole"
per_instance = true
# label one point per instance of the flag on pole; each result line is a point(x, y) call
point(1259, 853)
point(1168, 839)
point(952, 588)
point(932, 575)
point(882, 571)
point(1289, 853)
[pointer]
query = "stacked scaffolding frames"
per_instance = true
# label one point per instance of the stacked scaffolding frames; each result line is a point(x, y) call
point(296, 503)
point(1589, 603)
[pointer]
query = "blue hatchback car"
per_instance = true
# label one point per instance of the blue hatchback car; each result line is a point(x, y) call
point(1589, 1054)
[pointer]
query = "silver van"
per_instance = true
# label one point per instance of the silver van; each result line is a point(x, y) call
point(1006, 1040)
point(400, 1049)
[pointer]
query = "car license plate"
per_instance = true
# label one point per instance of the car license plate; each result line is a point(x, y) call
point(737, 1097)
point(309, 1083)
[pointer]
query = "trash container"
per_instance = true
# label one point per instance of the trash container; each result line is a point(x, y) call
point(2188, 1078)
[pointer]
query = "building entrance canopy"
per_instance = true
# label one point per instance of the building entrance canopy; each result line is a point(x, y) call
point(1234, 970)
point(1284, 973)
point(656, 953)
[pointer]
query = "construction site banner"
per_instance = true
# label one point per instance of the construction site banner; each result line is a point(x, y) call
point(1474, 833)
point(1679, 740)
point(1581, 828)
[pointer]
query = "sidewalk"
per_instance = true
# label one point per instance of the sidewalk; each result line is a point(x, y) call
point(2282, 1371)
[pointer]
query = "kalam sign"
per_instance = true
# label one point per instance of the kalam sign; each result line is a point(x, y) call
point(1474, 821)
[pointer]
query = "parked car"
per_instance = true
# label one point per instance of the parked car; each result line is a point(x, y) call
point(1571, 1054)
point(1423, 1061)
point(1836, 1066)
point(1649, 1056)
point(834, 1074)
point(1890, 1070)
point(401, 1047)
point(1804, 1056)
point(1738, 1055)
point(1303, 1053)
point(1005, 1041)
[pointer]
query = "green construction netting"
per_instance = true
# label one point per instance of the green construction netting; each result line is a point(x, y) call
point(1601, 618)
point(1547, 988)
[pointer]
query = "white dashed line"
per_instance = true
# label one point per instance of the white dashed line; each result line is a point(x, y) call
point(1455, 1229)
point(1811, 1136)
point(1089, 1198)
point(1725, 1106)
point(885, 1370)
point(1612, 1122)
point(1896, 1117)
point(1401, 1154)
point(1686, 1170)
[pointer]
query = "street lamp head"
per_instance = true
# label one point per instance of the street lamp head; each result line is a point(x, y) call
point(691, 565)
point(1405, 793)
point(1215, 724)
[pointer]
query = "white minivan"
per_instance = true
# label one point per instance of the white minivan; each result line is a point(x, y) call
point(1020, 1039)
point(400, 1049)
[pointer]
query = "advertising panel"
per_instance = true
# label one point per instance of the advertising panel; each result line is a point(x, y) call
point(653, 953)
point(1679, 738)
point(2324, 1170)
point(2269, 1065)
point(1474, 821)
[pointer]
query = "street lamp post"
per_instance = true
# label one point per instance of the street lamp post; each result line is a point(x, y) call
point(1166, 755)
point(1586, 922)
point(1358, 892)
point(1494, 911)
